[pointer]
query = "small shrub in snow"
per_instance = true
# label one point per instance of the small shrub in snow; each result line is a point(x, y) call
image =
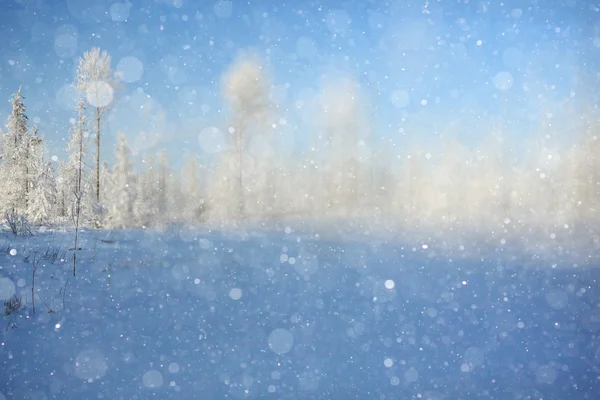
point(54, 253)
point(13, 305)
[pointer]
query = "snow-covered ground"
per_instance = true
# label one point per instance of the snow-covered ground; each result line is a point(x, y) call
point(287, 315)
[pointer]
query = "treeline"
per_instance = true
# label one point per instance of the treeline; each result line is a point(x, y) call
point(343, 174)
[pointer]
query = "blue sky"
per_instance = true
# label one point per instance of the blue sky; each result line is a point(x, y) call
point(425, 67)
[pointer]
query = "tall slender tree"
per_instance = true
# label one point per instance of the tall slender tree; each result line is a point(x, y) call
point(96, 81)
point(77, 149)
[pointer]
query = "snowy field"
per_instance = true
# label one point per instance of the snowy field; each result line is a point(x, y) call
point(287, 315)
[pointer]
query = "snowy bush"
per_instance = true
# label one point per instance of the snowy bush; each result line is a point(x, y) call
point(18, 224)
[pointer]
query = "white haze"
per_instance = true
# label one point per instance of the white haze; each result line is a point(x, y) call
point(549, 192)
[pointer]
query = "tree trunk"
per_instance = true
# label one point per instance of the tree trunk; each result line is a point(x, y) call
point(98, 115)
point(26, 174)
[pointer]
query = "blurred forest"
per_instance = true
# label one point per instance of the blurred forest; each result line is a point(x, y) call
point(545, 187)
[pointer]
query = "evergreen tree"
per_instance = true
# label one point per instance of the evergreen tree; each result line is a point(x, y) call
point(15, 174)
point(41, 186)
point(44, 195)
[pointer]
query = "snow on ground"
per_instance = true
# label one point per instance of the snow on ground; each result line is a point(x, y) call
point(283, 315)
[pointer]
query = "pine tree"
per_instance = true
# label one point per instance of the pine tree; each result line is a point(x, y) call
point(18, 121)
point(15, 159)
point(34, 159)
point(41, 188)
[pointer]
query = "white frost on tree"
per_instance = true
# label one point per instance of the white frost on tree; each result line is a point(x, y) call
point(76, 186)
point(15, 165)
point(44, 195)
point(41, 186)
point(96, 82)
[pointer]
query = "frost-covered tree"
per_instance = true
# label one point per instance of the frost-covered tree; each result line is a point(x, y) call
point(17, 127)
point(246, 89)
point(146, 203)
point(97, 83)
point(77, 149)
point(75, 172)
point(41, 185)
point(15, 162)
point(122, 196)
point(44, 195)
